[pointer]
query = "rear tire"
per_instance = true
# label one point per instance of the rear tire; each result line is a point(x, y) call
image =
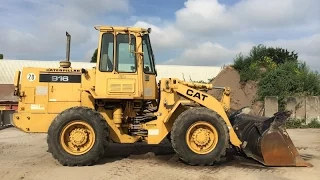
point(188, 145)
point(87, 131)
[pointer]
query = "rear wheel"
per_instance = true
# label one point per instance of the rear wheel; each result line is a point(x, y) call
point(200, 136)
point(78, 136)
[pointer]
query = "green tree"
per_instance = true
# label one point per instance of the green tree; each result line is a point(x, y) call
point(278, 73)
point(1, 56)
point(289, 79)
point(260, 60)
point(94, 56)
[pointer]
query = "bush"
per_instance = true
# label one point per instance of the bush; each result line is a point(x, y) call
point(289, 79)
point(278, 73)
point(301, 123)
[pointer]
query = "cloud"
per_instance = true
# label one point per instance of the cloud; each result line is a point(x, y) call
point(201, 32)
point(214, 33)
point(307, 48)
point(211, 16)
point(164, 38)
point(210, 54)
point(214, 54)
point(202, 16)
point(45, 23)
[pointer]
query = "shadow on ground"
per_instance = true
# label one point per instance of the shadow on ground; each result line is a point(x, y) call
point(138, 150)
point(164, 154)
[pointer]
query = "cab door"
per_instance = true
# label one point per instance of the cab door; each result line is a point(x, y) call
point(149, 71)
point(117, 76)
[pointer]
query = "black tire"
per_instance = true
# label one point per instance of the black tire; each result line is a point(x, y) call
point(179, 131)
point(89, 116)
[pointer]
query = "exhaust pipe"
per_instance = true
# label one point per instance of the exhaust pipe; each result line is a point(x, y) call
point(68, 47)
point(67, 63)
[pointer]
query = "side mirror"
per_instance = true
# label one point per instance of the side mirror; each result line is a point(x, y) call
point(83, 71)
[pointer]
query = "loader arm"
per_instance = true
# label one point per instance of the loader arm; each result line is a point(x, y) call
point(189, 91)
point(264, 140)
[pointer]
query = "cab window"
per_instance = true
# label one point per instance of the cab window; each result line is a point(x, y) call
point(106, 55)
point(125, 56)
point(148, 62)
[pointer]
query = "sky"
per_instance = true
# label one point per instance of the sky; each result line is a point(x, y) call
point(184, 32)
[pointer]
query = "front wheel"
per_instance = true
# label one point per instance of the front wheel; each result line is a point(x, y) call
point(78, 136)
point(200, 136)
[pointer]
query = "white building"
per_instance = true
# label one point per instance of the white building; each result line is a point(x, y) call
point(196, 73)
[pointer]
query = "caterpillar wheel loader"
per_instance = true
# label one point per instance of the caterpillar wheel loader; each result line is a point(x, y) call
point(120, 101)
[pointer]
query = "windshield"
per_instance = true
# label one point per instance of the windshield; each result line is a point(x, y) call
point(148, 60)
point(126, 60)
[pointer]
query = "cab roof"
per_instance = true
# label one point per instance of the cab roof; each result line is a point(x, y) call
point(121, 28)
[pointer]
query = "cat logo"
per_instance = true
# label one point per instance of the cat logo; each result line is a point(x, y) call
point(198, 95)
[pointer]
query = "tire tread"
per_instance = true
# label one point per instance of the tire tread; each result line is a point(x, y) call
point(98, 124)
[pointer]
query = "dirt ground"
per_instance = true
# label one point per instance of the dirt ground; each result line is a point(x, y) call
point(25, 156)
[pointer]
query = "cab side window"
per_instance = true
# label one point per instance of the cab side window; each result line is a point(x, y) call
point(148, 64)
point(106, 55)
point(125, 56)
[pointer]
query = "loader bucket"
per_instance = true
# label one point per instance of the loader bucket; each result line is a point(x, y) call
point(266, 140)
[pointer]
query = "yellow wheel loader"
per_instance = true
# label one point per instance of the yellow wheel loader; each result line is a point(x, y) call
point(120, 101)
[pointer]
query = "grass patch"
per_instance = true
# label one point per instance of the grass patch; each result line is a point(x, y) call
point(301, 124)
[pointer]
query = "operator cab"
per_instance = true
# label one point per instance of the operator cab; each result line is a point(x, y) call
point(125, 64)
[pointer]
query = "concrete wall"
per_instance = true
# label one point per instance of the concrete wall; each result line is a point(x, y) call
point(302, 107)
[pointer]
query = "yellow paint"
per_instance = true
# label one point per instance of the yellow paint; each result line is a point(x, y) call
point(58, 93)
point(16, 83)
point(116, 133)
point(211, 103)
point(57, 107)
point(77, 137)
point(87, 100)
point(202, 137)
point(28, 122)
point(163, 124)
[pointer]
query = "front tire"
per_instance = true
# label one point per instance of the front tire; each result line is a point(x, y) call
point(78, 136)
point(200, 136)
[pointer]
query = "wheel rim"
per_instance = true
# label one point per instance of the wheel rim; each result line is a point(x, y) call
point(202, 137)
point(77, 137)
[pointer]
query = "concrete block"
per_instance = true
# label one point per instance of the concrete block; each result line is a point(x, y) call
point(291, 103)
point(298, 107)
point(6, 117)
point(271, 106)
point(312, 108)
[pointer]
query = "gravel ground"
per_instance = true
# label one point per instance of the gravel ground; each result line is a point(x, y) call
point(25, 156)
